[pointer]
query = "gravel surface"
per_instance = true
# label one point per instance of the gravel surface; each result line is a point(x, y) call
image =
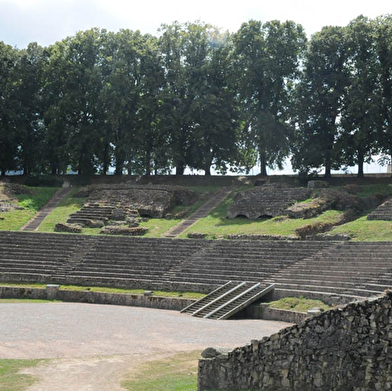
point(60, 330)
point(93, 347)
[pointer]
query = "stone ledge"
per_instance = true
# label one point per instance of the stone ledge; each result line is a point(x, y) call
point(125, 299)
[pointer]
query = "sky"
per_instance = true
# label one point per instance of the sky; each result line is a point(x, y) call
point(47, 21)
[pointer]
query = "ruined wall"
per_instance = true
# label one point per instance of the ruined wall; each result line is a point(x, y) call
point(341, 349)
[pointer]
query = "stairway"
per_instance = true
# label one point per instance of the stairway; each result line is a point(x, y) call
point(383, 212)
point(203, 211)
point(227, 300)
point(35, 222)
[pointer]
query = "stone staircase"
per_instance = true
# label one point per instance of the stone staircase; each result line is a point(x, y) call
point(203, 211)
point(383, 212)
point(92, 211)
point(35, 222)
point(227, 300)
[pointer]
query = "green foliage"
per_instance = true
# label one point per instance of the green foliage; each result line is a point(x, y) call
point(199, 97)
point(318, 101)
point(10, 379)
point(267, 58)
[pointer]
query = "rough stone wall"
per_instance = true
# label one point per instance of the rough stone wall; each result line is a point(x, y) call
point(341, 349)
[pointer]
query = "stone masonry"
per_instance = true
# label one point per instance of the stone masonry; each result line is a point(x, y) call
point(343, 349)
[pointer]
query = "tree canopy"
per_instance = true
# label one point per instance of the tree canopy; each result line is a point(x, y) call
point(198, 97)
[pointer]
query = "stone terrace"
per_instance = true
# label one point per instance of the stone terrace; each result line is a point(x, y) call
point(313, 268)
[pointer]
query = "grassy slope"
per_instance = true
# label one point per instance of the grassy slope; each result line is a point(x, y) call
point(368, 230)
point(16, 219)
point(298, 304)
point(10, 380)
point(175, 373)
point(61, 213)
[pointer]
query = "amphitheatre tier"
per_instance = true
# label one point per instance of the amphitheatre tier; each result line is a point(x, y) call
point(343, 270)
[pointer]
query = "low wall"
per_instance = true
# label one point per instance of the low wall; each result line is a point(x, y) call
point(126, 299)
point(263, 311)
point(341, 349)
point(102, 282)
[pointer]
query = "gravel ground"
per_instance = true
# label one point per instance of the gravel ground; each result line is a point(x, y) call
point(92, 347)
point(59, 330)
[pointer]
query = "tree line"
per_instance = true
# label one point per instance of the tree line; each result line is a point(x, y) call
point(195, 96)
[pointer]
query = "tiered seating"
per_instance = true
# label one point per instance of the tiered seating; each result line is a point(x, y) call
point(35, 257)
point(353, 269)
point(313, 268)
point(254, 261)
point(383, 212)
point(265, 201)
point(122, 261)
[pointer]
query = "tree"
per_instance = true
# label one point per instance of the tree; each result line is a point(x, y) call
point(360, 113)
point(8, 108)
point(268, 58)
point(30, 107)
point(319, 98)
point(383, 47)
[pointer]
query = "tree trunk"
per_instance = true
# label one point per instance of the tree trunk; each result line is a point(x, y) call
point(208, 162)
point(390, 151)
point(327, 165)
point(180, 168)
point(263, 164)
point(148, 163)
point(361, 159)
point(106, 159)
point(119, 165)
point(2, 172)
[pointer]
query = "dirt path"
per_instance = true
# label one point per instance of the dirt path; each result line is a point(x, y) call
point(93, 346)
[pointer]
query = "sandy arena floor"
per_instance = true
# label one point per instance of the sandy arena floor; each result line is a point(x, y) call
point(93, 345)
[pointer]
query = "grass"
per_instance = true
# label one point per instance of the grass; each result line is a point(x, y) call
point(175, 373)
point(16, 219)
point(158, 227)
point(366, 230)
point(10, 379)
point(216, 224)
point(185, 295)
point(298, 304)
point(66, 207)
point(369, 190)
point(22, 301)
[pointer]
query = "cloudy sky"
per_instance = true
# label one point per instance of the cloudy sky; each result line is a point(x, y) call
point(47, 21)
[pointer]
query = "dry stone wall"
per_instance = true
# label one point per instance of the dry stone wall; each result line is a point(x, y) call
point(341, 349)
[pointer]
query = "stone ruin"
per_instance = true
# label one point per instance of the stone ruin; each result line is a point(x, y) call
point(7, 191)
point(127, 205)
point(269, 200)
point(346, 348)
point(275, 200)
